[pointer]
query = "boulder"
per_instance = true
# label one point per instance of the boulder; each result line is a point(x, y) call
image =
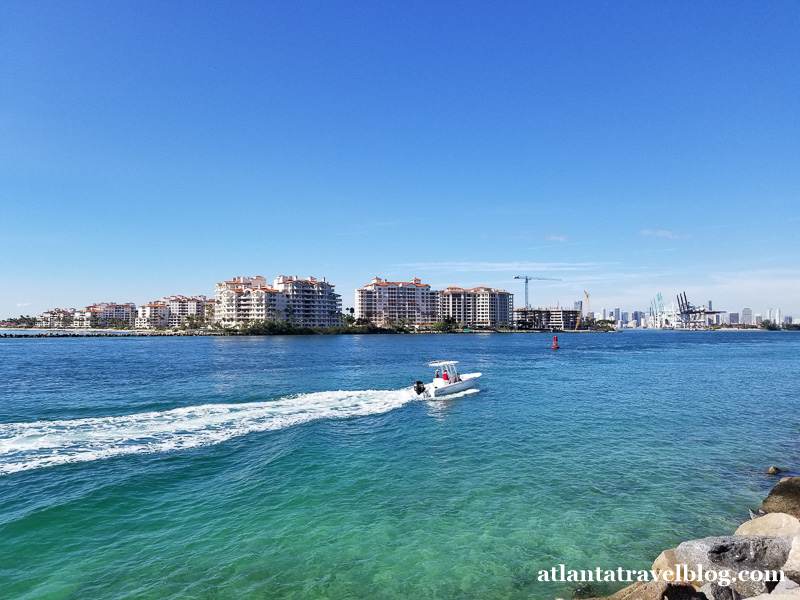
point(735, 553)
point(657, 590)
point(787, 585)
point(715, 591)
point(773, 470)
point(771, 524)
point(784, 497)
point(791, 568)
point(793, 594)
point(665, 562)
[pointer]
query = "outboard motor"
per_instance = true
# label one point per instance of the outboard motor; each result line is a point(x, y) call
point(419, 388)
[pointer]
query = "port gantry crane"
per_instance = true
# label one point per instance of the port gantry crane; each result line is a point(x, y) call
point(528, 278)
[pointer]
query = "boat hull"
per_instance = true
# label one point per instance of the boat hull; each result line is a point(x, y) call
point(439, 388)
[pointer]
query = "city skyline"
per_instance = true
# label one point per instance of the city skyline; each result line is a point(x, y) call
point(745, 314)
point(628, 150)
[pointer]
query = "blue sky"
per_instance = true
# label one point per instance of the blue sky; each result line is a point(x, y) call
point(626, 148)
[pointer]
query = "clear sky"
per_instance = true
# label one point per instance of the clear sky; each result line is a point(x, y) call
point(626, 148)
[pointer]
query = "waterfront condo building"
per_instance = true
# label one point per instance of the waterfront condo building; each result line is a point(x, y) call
point(476, 307)
point(183, 307)
point(105, 314)
point(386, 302)
point(244, 299)
point(309, 301)
point(58, 318)
point(303, 301)
point(171, 311)
point(152, 315)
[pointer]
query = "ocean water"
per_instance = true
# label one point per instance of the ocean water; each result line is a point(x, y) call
point(299, 467)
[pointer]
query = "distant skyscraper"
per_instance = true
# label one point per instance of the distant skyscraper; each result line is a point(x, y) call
point(578, 305)
point(758, 319)
point(778, 315)
point(617, 315)
point(709, 305)
point(604, 313)
point(770, 316)
point(734, 318)
point(747, 316)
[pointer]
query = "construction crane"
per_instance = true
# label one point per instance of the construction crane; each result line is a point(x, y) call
point(528, 278)
point(585, 304)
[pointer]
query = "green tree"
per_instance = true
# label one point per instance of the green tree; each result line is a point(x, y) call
point(289, 311)
point(402, 325)
point(25, 321)
point(769, 325)
point(447, 324)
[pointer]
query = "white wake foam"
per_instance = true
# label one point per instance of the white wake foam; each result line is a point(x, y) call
point(25, 446)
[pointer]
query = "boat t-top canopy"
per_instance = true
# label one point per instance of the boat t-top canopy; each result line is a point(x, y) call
point(442, 363)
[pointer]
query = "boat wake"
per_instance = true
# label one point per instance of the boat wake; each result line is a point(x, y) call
point(25, 446)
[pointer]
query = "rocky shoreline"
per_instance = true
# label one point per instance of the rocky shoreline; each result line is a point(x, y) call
point(768, 542)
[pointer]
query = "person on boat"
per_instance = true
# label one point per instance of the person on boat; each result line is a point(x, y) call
point(445, 376)
point(436, 375)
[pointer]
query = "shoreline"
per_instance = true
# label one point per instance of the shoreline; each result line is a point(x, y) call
point(110, 333)
point(60, 333)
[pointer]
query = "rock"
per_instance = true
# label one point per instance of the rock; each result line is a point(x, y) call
point(657, 590)
point(736, 553)
point(784, 497)
point(755, 515)
point(771, 524)
point(715, 591)
point(665, 562)
point(791, 567)
point(787, 595)
point(773, 470)
point(786, 585)
point(583, 590)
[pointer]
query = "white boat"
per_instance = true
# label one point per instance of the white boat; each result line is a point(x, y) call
point(448, 381)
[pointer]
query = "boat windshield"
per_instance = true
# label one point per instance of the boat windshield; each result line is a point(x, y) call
point(448, 367)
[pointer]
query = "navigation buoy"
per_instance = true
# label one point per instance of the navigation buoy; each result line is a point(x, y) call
point(555, 345)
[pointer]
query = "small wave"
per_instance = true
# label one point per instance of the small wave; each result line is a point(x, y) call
point(25, 446)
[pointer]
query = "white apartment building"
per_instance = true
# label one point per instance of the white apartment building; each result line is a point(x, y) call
point(58, 318)
point(384, 302)
point(88, 317)
point(245, 299)
point(310, 301)
point(476, 307)
point(105, 314)
point(181, 307)
point(152, 315)
point(303, 301)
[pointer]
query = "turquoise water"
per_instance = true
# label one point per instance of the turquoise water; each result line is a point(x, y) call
point(297, 467)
